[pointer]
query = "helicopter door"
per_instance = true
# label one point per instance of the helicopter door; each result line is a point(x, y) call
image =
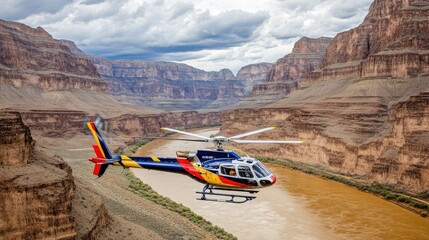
point(228, 170)
point(245, 172)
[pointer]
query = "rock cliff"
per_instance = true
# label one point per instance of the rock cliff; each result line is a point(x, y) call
point(170, 85)
point(40, 72)
point(254, 73)
point(40, 199)
point(31, 57)
point(65, 124)
point(381, 146)
point(149, 125)
point(391, 42)
point(286, 73)
point(35, 190)
point(364, 113)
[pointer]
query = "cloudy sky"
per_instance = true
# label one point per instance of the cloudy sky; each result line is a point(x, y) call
point(207, 34)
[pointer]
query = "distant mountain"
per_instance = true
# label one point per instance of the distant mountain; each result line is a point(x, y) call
point(40, 72)
point(254, 73)
point(31, 57)
point(169, 85)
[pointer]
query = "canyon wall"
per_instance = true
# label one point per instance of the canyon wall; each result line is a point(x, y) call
point(398, 156)
point(285, 74)
point(169, 85)
point(31, 57)
point(254, 74)
point(149, 125)
point(70, 123)
point(40, 72)
point(391, 42)
point(35, 190)
point(364, 113)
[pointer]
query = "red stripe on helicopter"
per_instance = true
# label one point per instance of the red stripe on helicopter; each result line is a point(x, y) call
point(232, 182)
point(189, 168)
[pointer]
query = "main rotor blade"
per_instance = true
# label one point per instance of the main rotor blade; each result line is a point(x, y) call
point(269, 141)
point(252, 132)
point(186, 133)
point(180, 139)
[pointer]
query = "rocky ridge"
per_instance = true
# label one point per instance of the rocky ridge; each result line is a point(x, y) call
point(391, 42)
point(254, 73)
point(40, 72)
point(286, 73)
point(45, 63)
point(170, 85)
point(36, 191)
point(41, 199)
point(364, 113)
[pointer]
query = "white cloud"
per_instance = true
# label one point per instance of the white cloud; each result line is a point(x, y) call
point(210, 34)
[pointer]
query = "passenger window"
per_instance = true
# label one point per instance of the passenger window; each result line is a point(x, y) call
point(244, 171)
point(228, 170)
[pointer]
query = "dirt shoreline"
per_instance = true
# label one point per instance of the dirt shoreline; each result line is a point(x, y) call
point(109, 202)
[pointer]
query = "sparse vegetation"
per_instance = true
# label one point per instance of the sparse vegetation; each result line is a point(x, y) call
point(375, 188)
point(136, 146)
point(204, 126)
point(145, 191)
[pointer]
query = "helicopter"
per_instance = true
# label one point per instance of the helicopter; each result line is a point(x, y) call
point(227, 175)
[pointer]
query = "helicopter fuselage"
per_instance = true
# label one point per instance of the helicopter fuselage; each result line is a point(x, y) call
point(213, 167)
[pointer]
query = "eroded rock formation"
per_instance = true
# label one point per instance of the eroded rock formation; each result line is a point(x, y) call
point(134, 125)
point(365, 112)
point(254, 73)
point(170, 85)
point(286, 73)
point(391, 42)
point(69, 123)
point(31, 57)
point(35, 190)
point(369, 143)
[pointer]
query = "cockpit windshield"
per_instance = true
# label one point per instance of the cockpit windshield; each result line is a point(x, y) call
point(260, 170)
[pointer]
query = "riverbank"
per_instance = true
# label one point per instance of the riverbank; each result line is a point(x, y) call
point(411, 203)
point(131, 216)
point(287, 210)
point(145, 191)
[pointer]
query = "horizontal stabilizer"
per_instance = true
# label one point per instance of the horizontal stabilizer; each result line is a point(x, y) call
point(101, 167)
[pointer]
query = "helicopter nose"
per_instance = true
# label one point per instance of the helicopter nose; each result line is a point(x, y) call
point(268, 182)
point(274, 179)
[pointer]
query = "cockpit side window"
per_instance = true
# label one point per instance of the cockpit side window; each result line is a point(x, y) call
point(260, 170)
point(245, 172)
point(228, 170)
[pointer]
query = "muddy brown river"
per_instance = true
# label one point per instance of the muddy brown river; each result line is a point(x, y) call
point(298, 206)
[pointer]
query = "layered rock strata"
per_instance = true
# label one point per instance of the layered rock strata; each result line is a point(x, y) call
point(31, 57)
point(55, 123)
point(286, 73)
point(364, 113)
point(254, 73)
point(35, 190)
point(69, 123)
point(170, 85)
point(391, 42)
point(395, 153)
point(149, 125)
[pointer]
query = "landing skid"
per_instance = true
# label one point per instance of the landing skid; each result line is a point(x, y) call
point(211, 191)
